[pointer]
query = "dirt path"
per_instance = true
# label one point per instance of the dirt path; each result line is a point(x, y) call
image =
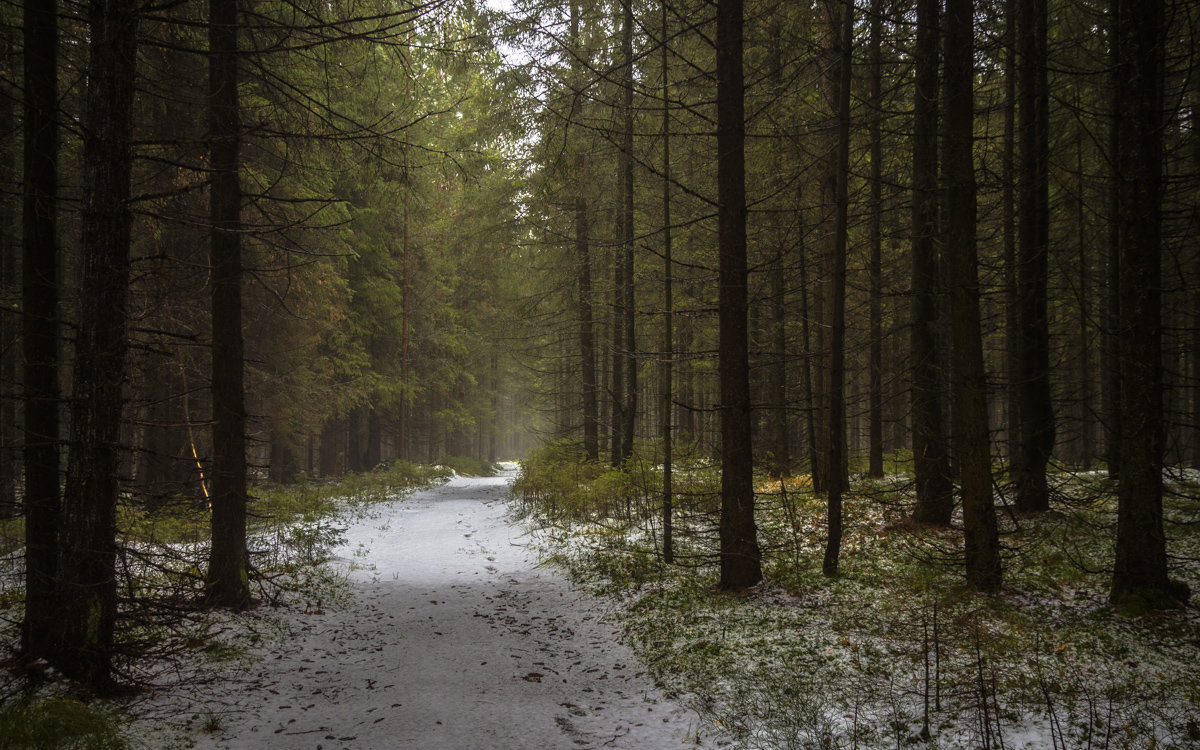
point(457, 640)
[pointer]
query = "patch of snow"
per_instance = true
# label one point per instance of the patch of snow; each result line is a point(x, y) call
point(456, 638)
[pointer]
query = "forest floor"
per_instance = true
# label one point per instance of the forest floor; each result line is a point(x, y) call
point(442, 629)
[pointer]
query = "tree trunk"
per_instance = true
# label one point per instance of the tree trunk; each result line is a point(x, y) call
point(631, 362)
point(838, 480)
point(87, 587)
point(935, 501)
point(8, 271)
point(1036, 411)
point(981, 537)
point(39, 293)
point(741, 565)
point(583, 263)
point(1110, 343)
point(875, 263)
point(228, 583)
point(668, 353)
point(1140, 569)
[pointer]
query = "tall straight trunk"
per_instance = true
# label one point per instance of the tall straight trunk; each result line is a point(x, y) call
point(981, 535)
point(228, 583)
point(583, 263)
point(741, 560)
point(668, 353)
point(1140, 568)
point(587, 337)
point(1110, 343)
point(1033, 226)
point(875, 263)
point(935, 501)
point(838, 481)
point(776, 426)
point(1012, 332)
point(8, 272)
point(87, 585)
point(617, 361)
point(39, 294)
point(631, 362)
point(1086, 420)
point(810, 419)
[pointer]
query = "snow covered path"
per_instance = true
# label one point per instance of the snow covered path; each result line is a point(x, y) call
point(457, 639)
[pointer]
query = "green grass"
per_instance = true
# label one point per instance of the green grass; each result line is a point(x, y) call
point(58, 724)
point(807, 661)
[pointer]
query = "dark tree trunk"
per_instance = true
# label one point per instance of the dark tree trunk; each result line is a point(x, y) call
point(616, 362)
point(875, 263)
point(8, 282)
point(668, 354)
point(1036, 412)
point(838, 480)
point(776, 426)
point(333, 442)
point(982, 539)
point(583, 264)
point(1110, 343)
point(631, 361)
point(1140, 569)
point(282, 465)
point(87, 587)
point(1012, 328)
point(741, 560)
point(935, 500)
point(228, 583)
point(39, 293)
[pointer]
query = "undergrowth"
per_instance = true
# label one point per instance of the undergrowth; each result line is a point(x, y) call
point(894, 652)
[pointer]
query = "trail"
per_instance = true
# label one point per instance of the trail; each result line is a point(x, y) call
point(456, 639)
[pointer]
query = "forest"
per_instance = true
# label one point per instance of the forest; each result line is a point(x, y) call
point(848, 303)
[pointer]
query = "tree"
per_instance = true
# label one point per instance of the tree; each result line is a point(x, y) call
point(875, 262)
point(625, 165)
point(583, 263)
point(1140, 568)
point(39, 271)
point(1036, 411)
point(228, 583)
point(741, 565)
point(981, 536)
point(838, 480)
point(935, 501)
point(87, 585)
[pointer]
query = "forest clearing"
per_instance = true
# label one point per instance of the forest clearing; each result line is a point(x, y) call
point(847, 353)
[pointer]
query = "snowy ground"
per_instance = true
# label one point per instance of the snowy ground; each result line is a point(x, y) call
point(455, 638)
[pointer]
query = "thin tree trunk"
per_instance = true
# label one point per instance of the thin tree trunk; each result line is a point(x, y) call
point(981, 536)
point(935, 501)
point(39, 270)
point(875, 263)
point(1086, 421)
point(1110, 344)
point(777, 375)
point(631, 360)
point(228, 583)
point(668, 353)
point(583, 263)
point(741, 560)
point(1012, 329)
point(838, 481)
point(617, 360)
point(87, 587)
point(1036, 410)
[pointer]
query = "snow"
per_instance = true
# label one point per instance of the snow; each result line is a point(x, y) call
point(455, 637)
